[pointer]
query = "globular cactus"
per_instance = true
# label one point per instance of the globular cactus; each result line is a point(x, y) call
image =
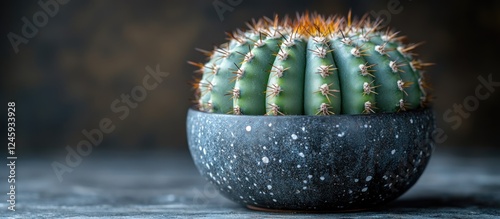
point(312, 65)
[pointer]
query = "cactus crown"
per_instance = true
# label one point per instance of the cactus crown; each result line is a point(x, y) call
point(312, 65)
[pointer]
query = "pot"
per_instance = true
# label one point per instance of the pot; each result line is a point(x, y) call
point(311, 163)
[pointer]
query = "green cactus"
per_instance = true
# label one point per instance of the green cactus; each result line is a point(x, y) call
point(312, 65)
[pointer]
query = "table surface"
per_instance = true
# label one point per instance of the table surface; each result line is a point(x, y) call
point(460, 183)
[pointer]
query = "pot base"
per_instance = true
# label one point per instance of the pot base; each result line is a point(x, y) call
point(255, 208)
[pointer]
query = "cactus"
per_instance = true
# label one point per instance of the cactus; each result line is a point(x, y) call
point(312, 65)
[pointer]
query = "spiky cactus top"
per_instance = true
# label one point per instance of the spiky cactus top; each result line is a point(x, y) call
point(311, 65)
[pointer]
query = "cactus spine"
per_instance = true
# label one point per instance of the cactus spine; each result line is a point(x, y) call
point(312, 65)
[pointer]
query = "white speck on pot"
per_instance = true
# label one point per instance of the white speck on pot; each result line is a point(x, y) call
point(341, 134)
point(269, 187)
point(322, 178)
point(301, 154)
point(364, 189)
point(368, 178)
point(356, 180)
point(248, 128)
point(265, 160)
point(270, 124)
point(294, 137)
point(310, 176)
point(393, 151)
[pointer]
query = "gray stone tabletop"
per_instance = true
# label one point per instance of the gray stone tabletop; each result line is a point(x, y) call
point(458, 183)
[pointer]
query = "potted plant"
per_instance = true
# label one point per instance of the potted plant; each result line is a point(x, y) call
point(311, 113)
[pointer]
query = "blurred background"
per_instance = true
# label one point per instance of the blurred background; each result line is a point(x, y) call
point(65, 76)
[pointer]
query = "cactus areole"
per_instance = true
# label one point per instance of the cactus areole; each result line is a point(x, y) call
point(311, 65)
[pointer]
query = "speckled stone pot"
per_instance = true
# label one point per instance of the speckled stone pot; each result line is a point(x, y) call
point(332, 163)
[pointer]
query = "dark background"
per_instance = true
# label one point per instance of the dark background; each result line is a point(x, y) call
point(65, 78)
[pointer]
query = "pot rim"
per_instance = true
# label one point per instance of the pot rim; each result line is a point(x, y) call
point(374, 115)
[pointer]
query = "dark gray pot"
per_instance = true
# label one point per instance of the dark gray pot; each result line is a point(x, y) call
point(342, 162)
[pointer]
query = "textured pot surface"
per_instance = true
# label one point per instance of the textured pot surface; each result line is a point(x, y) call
point(330, 163)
